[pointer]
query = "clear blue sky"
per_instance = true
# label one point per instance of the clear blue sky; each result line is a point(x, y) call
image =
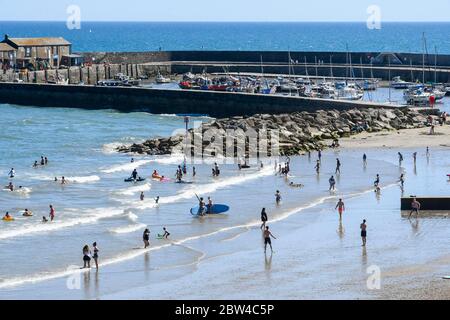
point(226, 10)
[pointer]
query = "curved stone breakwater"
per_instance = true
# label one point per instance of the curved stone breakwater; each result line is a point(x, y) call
point(296, 133)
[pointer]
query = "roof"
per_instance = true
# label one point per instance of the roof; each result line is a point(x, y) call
point(6, 47)
point(40, 41)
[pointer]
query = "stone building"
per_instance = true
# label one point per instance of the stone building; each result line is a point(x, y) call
point(7, 56)
point(38, 53)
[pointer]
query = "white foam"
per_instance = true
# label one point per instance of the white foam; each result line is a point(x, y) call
point(128, 229)
point(135, 189)
point(85, 179)
point(190, 192)
point(127, 166)
point(39, 227)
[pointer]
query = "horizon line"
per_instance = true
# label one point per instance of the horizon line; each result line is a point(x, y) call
point(235, 21)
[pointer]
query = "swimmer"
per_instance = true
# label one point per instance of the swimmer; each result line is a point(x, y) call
point(44, 219)
point(27, 213)
point(157, 199)
point(52, 213)
point(10, 186)
point(132, 160)
point(63, 180)
point(35, 164)
point(296, 185)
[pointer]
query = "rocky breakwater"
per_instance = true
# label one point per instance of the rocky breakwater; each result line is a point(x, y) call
point(296, 133)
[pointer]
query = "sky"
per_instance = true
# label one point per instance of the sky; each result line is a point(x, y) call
point(226, 10)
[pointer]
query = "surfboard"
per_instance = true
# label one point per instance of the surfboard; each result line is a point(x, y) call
point(446, 277)
point(185, 182)
point(130, 179)
point(216, 209)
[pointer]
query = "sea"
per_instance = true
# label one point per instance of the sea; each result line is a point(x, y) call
point(153, 36)
point(43, 260)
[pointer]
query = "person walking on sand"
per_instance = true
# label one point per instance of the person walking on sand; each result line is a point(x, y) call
point(277, 196)
point(263, 218)
point(338, 166)
point(415, 207)
point(267, 234)
point(340, 206)
point(95, 256)
point(146, 238)
point(142, 196)
point(86, 257)
point(52, 213)
point(363, 228)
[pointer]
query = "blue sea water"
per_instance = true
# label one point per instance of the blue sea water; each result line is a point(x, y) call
point(150, 36)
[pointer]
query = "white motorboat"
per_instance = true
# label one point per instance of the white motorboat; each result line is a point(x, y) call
point(161, 79)
point(398, 83)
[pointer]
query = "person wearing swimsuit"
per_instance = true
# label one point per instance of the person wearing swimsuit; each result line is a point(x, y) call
point(341, 207)
point(363, 228)
point(95, 256)
point(146, 238)
point(86, 257)
point(267, 234)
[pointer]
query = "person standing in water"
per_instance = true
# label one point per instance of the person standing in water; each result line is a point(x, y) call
point(86, 257)
point(277, 196)
point(263, 218)
point(428, 151)
point(134, 174)
point(267, 234)
point(142, 196)
point(12, 173)
point(209, 205)
point(340, 206)
point(95, 256)
point(415, 157)
point(363, 228)
point(364, 159)
point(400, 159)
point(201, 207)
point(45, 160)
point(42, 161)
point(63, 180)
point(52, 213)
point(332, 183)
point(317, 167)
point(402, 180)
point(415, 207)
point(157, 199)
point(377, 180)
point(319, 155)
point(193, 172)
point(338, 166)
point(146, 238)
point(132, 160)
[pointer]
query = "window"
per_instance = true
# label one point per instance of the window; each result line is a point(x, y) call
point(27, 52)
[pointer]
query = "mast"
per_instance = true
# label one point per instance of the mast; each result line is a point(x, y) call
point(331, 67)
point(423, 58)
point(435, 64)
point(412, 72)
point(315, 63)
point(362, 70)
point(389, 59)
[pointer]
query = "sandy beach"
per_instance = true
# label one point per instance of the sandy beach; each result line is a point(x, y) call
point(408, 138)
